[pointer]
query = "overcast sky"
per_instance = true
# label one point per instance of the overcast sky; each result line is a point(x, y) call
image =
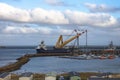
point(27, 22)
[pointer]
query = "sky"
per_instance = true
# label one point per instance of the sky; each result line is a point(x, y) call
point(27, 22)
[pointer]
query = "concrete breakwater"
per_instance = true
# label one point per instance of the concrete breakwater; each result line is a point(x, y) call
point(15, 65)
point(24, 59)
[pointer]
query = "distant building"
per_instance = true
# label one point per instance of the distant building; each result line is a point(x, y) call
point(103, 78)
point(50, 76)
point(104, 75)
point(115, 76)
point(74, 76)
point(26, 76)
point(5, 76)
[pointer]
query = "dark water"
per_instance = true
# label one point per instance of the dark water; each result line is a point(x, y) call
point(55, 64)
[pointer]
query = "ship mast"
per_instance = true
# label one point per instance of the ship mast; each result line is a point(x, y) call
point(86, 42)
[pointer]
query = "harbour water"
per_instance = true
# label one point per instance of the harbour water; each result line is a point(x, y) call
point(56, 64)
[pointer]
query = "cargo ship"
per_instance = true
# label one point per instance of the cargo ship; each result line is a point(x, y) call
point(60, 46)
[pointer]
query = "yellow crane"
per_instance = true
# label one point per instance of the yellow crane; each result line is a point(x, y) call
point(60, 43)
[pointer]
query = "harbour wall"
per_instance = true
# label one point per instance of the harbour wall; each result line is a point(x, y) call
point(24, 59)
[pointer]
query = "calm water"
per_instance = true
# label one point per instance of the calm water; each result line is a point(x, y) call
point(55, 64)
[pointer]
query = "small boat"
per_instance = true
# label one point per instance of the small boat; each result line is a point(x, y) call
point(82, 57)
point(111, 56)
point(102, 57)
point(94, 56)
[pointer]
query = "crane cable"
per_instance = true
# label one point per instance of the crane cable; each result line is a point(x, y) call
point(71, 33)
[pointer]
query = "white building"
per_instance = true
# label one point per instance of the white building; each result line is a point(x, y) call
point(5, 76)
point(26, 76)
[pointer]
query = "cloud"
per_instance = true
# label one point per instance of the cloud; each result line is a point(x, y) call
point(101, 8)
point(17, 30)
point(48, 16)
point(37, 15)
point(56, 3)
point(26, 30)
point(90, 19)
point(10, 13)
point(57, 18)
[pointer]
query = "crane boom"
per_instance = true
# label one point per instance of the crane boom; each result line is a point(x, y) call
point(60, 43)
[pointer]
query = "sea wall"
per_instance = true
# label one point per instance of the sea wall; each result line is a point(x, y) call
point(24, 59)
point(14, 66)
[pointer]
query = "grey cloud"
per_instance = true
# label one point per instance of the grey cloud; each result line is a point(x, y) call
point(101, 8)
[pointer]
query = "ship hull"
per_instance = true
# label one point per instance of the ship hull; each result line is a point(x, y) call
point(53, 51)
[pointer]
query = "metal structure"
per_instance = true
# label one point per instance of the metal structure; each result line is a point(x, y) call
point(60, 43)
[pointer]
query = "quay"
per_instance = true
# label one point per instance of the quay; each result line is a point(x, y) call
point(115, 52)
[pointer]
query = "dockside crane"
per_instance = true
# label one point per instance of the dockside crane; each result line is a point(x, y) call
point(60, 43)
